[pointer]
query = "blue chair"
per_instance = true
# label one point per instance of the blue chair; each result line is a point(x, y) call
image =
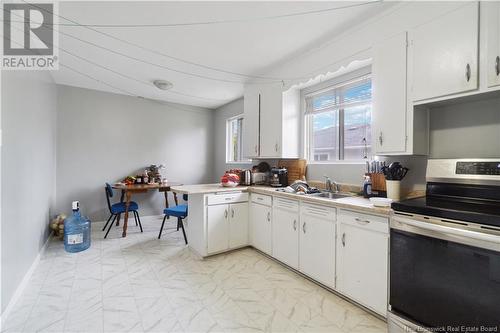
point(179, 211)
point(119, 208)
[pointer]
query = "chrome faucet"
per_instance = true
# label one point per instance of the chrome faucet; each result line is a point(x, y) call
point(329, 185)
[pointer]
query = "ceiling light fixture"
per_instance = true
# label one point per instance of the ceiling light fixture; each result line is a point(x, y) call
point(163, 85)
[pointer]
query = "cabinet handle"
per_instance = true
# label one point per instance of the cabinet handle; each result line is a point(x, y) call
point(225, 213)
point(304, 227)
point(232, 212)
point(256, 149)
point(467, 72)
point(343, 239)
point(380, 139)
point(362, 221)
point(497, 65)
point(276, 147)
point(268, 216)
point(294, 224)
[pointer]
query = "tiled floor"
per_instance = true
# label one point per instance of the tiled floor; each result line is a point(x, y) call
point(142, 284)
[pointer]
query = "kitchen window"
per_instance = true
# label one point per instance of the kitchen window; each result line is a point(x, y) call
point(338, 121)
point(234, 144)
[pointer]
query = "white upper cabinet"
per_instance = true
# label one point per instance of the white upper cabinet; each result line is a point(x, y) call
point(491, 13)
point(271, 109)
point(443, 54)
point(389, 95)
point(272, 120)
point(251, 106)
point(397, 129)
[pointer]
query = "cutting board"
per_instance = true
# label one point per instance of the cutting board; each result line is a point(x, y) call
point(296, 169)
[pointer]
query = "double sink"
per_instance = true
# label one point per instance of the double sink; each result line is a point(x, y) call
point(330, 195)
point(327, 195)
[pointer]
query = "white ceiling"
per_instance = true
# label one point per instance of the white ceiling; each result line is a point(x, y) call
point(247, 47)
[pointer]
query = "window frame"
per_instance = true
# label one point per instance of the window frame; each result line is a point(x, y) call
point(228, 144)
point(306, 120)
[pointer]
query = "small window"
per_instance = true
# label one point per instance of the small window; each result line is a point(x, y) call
point(234, 145)
point(338, 122)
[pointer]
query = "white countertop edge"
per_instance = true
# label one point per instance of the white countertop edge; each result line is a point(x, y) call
point(356, 203)
point(206, 188)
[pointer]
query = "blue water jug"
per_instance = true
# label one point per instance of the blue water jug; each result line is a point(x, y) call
point(76, 231)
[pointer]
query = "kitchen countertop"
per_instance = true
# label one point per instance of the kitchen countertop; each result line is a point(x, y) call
point(355, 202)
point(206, 188)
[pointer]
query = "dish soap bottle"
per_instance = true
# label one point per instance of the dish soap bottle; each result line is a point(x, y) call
point(367, 187)
point(76, 231)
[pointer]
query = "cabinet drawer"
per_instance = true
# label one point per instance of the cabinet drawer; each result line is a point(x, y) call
point(365, 221)
point(224, 198)
point(291, 205)
point(319, 211)
point(262, 199)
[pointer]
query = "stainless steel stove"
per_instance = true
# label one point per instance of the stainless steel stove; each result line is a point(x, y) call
point(445, 251)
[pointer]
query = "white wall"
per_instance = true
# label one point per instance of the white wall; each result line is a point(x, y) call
point(28, 171)
point(103, 137)
point(223, 113)
point(353, 173)
point(467, 130)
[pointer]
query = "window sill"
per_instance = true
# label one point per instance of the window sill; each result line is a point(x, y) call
point(240, 162)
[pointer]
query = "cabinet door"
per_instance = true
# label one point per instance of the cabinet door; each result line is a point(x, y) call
point(317, 248)
point(218, 228)
point(285, 237)
point(389, 95)
point(260, 220)
point(444, 54)
point(251, 107)
point(238, 224)
point(271, 105)
point(492, 13)
point(362, 266)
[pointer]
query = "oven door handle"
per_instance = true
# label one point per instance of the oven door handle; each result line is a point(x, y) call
point(475, 238)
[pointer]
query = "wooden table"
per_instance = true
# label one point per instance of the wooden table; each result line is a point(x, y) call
point(141, 188)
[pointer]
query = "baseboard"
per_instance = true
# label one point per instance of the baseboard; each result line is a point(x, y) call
point(24, 282)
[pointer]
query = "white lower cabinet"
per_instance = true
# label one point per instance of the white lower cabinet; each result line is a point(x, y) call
point(347, 251)
point(362, 256)
point(285, 233)
point(317, 243)
point(238, 225)
point(227, 225)
point(261, 223)
point(217, 228)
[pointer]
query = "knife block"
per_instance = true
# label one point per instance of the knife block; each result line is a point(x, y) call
point(378, 182)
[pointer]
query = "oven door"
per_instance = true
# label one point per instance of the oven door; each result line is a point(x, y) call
point(444, 276)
